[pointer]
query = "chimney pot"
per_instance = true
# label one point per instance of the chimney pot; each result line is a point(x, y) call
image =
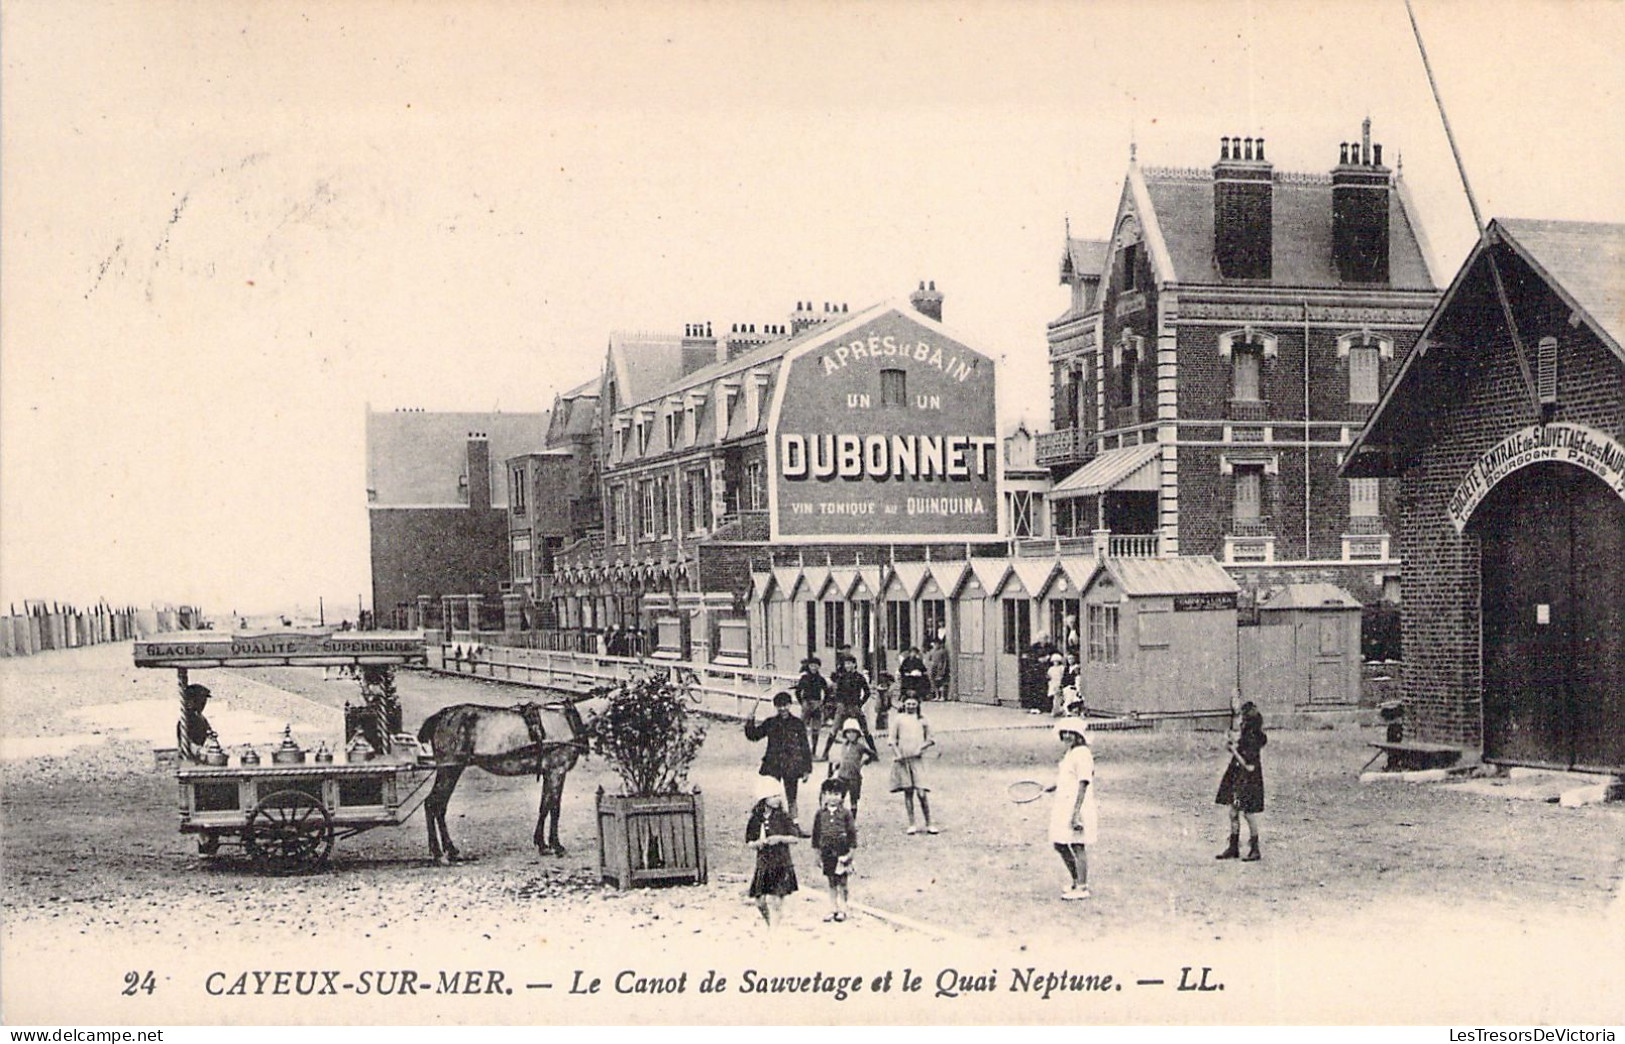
point(1248, 154)
point(1261, 149)
point(1224, 148)
point(1343, 153)
point(922, 284)
point(1376, 155)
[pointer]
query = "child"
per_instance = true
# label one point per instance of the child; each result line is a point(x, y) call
point(884, 701)
point(847, 766)
point(770, 831)
point(1053, 677)
point(835, 835)
point(910, 738)
point(1074, 818)
point(788, 757)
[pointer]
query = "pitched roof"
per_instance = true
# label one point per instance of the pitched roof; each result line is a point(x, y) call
point(644, 364)
point(1194, 574)
point(1301, 226)
point(1584, 260)
point(416, 458)
point(1591, 254)
point(1085, 257)
point(1310, 596)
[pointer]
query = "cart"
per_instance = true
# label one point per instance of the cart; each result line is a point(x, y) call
point(286, 817)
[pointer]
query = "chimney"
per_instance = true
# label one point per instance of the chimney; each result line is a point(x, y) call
point(699, 347)
point(927, 300)
point(1243, 210)
point(479, 471)
point(1360, 191)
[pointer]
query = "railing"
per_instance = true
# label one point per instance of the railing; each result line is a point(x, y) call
point(1366, 525)
point(1043, 547)
point(1135, 545)
point(728, 691)
point(1249, 409)
point(1125, 416)
point(1251, 527)
point(1057, 447)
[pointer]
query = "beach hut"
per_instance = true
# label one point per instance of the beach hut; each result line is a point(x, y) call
point(1309, 638)
point(973, 637)
point(1159, 637)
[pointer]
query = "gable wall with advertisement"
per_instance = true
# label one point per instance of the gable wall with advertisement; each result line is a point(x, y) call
point(885, 432)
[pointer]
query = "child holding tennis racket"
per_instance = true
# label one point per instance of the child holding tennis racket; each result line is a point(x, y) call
point(1074, 818)
point(910, 738)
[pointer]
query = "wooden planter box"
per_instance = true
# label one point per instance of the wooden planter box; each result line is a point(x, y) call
point(644, 841)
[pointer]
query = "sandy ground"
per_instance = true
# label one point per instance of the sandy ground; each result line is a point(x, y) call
point(1379, 903)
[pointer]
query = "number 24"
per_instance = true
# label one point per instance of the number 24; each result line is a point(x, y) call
point(135, 980)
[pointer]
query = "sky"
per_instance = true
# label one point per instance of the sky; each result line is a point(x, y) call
point(227, 229)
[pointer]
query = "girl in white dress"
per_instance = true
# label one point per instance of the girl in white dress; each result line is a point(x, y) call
point(1074, 819)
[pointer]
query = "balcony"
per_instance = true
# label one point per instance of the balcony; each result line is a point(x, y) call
point(1251, 527)
point(1134, 545)
point(1249, 409)
point(1055, 448)
point(1366, 525)
point(1125, 416)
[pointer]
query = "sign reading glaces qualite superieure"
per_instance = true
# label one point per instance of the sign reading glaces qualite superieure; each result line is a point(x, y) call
point(886, 431)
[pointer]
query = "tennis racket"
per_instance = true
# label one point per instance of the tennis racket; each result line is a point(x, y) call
point(1023, 791)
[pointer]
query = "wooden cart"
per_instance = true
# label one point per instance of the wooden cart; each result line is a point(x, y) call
point(286, 817)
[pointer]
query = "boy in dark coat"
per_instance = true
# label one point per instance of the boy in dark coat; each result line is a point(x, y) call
point(812, 689)
point(788, 757)
point(851, 693)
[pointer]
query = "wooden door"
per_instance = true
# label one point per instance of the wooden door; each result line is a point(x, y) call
point(1552, 600)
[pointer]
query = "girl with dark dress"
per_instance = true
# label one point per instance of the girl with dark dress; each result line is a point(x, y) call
point(1243, 785)
point(771, 831)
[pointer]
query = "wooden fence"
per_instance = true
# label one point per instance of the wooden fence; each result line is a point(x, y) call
point(44, 627)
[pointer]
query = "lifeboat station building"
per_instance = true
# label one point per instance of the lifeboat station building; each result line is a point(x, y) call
point(841, 439)
point(1505, 430)
point(1220, 351)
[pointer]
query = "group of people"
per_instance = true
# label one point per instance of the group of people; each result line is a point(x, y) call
point(787, 762)
point(774, 825)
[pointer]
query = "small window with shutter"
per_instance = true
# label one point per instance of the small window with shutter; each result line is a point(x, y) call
point(1546, 376)
point(1363, 374)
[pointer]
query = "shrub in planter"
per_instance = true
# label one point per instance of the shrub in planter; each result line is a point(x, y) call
point(654, 832)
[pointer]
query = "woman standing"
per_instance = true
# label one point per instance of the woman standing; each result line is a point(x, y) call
point(1074, 817)
point(1243, 785)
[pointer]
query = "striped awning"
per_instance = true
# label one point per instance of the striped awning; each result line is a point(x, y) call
point(1128, 468)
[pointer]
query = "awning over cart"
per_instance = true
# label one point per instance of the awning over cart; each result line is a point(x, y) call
point(281, 649)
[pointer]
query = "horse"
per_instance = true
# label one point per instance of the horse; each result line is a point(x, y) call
point(500, 740)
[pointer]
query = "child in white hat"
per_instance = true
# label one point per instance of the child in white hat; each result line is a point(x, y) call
point(847, 765)
point(1074, 819)
point(771, 831)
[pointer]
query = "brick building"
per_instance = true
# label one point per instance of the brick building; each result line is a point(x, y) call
point(841, 437)
point(1504, 431)
point(553, 496)
point(1219, 352)
point(437, 524)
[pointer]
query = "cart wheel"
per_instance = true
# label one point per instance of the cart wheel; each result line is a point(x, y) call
point(289, 832)
point(208, 844)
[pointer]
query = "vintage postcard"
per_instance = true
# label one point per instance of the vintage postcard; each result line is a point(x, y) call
point(812, 513)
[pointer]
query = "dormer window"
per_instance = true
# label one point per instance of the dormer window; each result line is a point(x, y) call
point(893, 387)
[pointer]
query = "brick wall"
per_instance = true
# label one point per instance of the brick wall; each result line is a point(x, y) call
point(436, 551)
point(1486, 403)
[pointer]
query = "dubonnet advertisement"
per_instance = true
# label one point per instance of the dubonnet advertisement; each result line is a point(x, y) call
point(393, 637)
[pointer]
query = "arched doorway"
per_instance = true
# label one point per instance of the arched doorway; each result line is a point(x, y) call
point(1552, 599)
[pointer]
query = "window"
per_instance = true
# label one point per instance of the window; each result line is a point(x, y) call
point(1249, 492)
point(1363, 497)
point(665, 507)
point(1102, 634)
point(933, 619)
point(755, 487)
point(618, 515)
point(893, 388)
point(643, 436)
point(1246, 359)
point(1546, 370)
point(1128, 262)
point(671, 429)
point(812, 627)
point(696, 500)
point(521, 559)
point(834, 624)
point(1021, 514)
point(699, 417)
point(899, 629)
point(1129, 368)
point(1154, 627)
point(1363, 374)
point(1018, 625)
point(516, 491)
point(649, 498)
